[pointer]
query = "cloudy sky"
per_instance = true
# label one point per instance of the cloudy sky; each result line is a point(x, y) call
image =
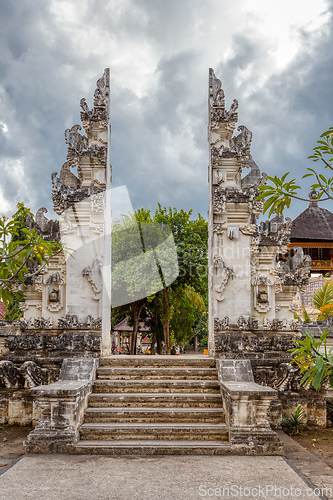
point(276, 58)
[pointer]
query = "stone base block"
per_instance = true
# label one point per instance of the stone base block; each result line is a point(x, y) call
point(255, 442)
point(16, 407)
point(50, 441)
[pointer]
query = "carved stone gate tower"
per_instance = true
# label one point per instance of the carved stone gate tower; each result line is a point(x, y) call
point(67, 307)
point(252, 295)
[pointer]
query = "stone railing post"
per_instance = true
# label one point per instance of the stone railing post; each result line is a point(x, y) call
point(60, 407)
point(246, 406)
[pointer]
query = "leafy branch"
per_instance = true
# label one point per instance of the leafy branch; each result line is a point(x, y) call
point(281, 191)
point(24, 253)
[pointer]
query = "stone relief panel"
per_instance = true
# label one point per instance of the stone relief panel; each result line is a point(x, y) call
point(280, 376)
point(94, 276)
point(222, 275)
point(263, 291)
point(55, 292)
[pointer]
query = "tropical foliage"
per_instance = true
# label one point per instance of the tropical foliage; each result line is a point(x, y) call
point(295, 422)
point(323, 300)
point(23, 252)
point(173, 311)
point(314, 360)
point(279, 193)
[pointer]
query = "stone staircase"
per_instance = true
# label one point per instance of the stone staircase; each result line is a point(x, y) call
point(155, 405)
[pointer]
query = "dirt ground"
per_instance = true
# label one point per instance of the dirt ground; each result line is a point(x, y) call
point(319, 441)
point(11, 442)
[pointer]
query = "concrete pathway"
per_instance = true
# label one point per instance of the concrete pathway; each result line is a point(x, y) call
point(57, 477)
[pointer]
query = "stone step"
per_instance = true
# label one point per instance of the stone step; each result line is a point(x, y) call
point(153, 415)
point(153, 447)
point(148, 373)
point(159, 400)
point(158, 361)
point(172, 432)
point(137, 386)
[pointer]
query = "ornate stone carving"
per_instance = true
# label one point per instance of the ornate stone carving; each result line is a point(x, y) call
point(280, 376)
point(296, 269)
point(75, 140)
point(93, 323)
point(66, 226)
point(94, 276)
point(247, 323)
point(55, 278)
point(221, 324)
point(275, 232)
point(47, 228)
point(242, 142)
point(223, 274)
point(218, 227)
point(65, 196)
point(296, 305)
point(36, 323)
point(254, 178)
point(33, 374)
point(216, 93)
point(262, 279)
point(98, 228)
point(218, 112)
point(67, 177)
point(262, 292)
point(71, 321)
point(97, 202)
point(85, 108)
point(248, 230)
point(9, 375)
point(103, 87)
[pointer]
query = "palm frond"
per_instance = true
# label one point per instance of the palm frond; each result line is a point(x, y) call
point(324, 295)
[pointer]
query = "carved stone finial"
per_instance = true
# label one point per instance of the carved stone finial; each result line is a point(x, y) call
point(313, 196)
point(218, 111)
point(216, 93)
point(49, 229)
point(75, 140)
point(67, 177)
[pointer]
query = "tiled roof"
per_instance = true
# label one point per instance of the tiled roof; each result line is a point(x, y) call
point(124, 327)
point(313, 224)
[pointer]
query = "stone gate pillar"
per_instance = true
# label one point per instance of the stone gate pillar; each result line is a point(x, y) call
point(252, 295)
point(71, 300)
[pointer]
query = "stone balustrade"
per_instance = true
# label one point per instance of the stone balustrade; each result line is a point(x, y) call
point(59, 407)
point(246, 405)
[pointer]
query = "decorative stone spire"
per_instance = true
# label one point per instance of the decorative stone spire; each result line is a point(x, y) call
point(88, 152)
point(313, 196)
point(217, 111)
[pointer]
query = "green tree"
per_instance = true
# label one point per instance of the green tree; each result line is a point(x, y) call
point(190, 237)
point(24, 253)
point(132, 280)
point(279, 193)
point(187, 310)
point(13, 310)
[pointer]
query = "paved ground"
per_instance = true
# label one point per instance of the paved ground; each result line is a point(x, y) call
point(319, 473)
point(68, 477)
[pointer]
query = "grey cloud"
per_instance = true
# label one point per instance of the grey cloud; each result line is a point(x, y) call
point(144, 164)
point(159, 139)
